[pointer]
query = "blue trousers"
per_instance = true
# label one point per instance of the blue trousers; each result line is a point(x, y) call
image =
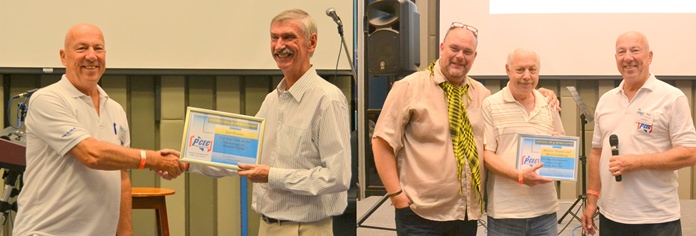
point(544, 225)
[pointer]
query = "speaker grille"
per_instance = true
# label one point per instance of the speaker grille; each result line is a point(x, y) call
point(383, 53)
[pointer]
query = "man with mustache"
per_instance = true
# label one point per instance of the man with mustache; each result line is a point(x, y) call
point(304, 172)
point(520, 202)
point(653, 123)
point(434, 190)
point(78, 152)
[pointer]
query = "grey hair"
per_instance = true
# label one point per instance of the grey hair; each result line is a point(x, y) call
point(309, 27)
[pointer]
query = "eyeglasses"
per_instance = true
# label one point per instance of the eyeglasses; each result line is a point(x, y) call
point(465, 26)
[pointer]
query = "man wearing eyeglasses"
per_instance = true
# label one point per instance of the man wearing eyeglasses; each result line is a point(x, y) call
point(520, 201)
point(433, 189)
point(652, 122)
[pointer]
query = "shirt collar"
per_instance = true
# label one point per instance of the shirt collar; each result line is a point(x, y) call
point(301, 86)
point(75, 93)
point(649, 85)
point(539, 99)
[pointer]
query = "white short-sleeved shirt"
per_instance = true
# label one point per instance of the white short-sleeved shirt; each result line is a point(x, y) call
point(504, 119)
point(656, 120)
point(61, 196)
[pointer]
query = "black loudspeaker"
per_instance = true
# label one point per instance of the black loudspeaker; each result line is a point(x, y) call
point(393, 37)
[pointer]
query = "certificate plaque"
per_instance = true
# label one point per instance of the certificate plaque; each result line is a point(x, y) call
point(220, 138)
point(558, 153)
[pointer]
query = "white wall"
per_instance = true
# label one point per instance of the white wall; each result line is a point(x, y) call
point(154, 34)
point(574, 44)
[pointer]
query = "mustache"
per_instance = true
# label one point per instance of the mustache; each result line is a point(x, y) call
point(283, 51)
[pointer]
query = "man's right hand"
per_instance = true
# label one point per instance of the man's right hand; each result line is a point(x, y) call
point(167, 161)
point(400, 201)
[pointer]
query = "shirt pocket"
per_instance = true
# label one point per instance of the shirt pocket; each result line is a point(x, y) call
point(293, 141)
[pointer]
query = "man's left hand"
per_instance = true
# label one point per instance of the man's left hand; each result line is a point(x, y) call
point(255, 173)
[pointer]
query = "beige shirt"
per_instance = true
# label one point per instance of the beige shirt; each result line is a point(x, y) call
point(414, 122)
point(504, 119)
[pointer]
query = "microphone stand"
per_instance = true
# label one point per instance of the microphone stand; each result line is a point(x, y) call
point(585, 117)
point(582, 198)
point(10, 190)
point(372, 210)
point(13, 177)
point(345, 47)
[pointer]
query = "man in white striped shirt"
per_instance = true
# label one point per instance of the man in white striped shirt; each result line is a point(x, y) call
point(520, 202)
point(303, 174)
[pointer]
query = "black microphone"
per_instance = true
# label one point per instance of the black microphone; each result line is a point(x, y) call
point(26, 94)
point(332, 13)
point(614, 143)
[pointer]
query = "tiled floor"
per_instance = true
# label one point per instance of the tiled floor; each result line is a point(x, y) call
point(384, 217)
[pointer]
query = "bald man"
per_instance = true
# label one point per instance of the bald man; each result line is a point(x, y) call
point(78, 152)
point(520, 202)
point(653, 123)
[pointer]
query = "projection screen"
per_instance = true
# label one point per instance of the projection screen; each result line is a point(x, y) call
point(164, 34)
point(576, 37)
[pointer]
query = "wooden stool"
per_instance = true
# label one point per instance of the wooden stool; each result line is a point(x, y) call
point(153, 198)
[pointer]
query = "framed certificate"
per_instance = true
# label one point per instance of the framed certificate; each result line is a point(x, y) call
point(558, 153)
point(220, 138)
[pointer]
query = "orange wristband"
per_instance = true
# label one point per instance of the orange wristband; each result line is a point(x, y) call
point(520, 179)
point(592, 192)
point(143, 158)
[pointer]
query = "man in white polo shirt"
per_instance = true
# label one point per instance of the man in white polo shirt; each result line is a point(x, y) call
point(78, 150)
point(520, 202)
point(653, 123)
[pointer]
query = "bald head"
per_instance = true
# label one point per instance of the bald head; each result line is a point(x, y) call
point(462, 33)
point(76, 31)
point(522, 53)
point(634, 36)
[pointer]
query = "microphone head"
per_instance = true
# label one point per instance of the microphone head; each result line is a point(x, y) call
point(330, 11)
point(614, 140)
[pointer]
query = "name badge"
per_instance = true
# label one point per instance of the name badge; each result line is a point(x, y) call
point(122, 133)
point(644, 121)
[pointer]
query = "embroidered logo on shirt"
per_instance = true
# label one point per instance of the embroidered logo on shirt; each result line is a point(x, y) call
point(66, 134)
point(200, 143)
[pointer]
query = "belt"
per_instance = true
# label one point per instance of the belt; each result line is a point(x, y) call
point(273, 220)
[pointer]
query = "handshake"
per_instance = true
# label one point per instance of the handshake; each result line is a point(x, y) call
point(166, 163)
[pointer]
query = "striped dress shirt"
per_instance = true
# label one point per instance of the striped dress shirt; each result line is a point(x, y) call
point(307, 145)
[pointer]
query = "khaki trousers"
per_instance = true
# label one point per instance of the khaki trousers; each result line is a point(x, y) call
point(319, 228)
